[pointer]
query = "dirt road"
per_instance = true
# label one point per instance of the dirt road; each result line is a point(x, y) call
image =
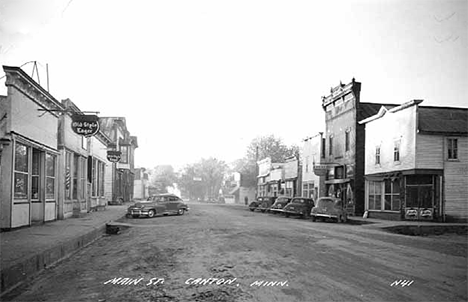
point(227, 253)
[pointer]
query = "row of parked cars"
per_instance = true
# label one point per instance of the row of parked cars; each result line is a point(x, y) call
point(324, 208)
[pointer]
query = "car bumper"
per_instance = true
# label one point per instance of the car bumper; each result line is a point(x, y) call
point(323, 215)
point(292, 212)
point(137, 213)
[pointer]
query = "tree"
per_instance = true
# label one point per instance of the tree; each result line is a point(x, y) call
point(260, 148)
point(203, 179)
point(163, 176)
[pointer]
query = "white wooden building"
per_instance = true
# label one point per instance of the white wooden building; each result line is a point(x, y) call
point(417, 163)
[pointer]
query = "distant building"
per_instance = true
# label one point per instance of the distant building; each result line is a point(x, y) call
point(141, 184)
point(120, 179)
point(275, 179)
point(419, 168)
point(311, 156)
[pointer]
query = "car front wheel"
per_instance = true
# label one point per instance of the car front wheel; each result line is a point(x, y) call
point(151, 213)
point(181, 212)
point(313, 218)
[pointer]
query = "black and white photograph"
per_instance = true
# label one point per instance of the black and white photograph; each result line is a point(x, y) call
point(233, 151)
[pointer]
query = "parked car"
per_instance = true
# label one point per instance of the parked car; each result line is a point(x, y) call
point(299, 206)
point(262, 203)
point(159, 204)
point(329, 207)
point(279, 204)
point(266, 203)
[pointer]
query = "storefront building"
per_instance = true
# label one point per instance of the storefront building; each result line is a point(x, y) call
point(119, 185)
point(73, 165)
point(276, 184)
point(292, 181)
point(418, 170)
point(343, 144)
point(311, 158)
point(263, 178)
point(28, 152)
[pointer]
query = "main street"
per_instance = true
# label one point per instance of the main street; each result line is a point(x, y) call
point(227, 253)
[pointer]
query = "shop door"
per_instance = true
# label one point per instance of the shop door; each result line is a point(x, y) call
point(37, 187)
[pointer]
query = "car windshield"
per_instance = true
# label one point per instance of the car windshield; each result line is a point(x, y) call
point(325, 202)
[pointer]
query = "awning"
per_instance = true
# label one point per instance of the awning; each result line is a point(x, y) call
point(382, 177)
point(337, 181)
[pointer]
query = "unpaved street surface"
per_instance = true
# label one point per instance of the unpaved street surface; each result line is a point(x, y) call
point(304, 260)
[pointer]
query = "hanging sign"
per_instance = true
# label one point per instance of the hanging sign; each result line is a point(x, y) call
point(86, 125)
point(113, 156)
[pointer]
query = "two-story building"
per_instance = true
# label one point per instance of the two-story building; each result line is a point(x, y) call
point(311, 156)
point(119, 183)
point(343, 144)
point(28, 152)
point(417, 163)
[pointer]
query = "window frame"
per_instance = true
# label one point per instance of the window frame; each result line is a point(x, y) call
point(396, 151)
point(452, 149)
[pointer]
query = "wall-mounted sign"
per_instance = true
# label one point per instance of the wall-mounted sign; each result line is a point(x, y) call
point(113, 156)
point(320, 170)
point(86, 125)
point(411, 213)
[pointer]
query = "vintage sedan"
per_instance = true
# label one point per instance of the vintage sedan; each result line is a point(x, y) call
point(299, 206)
point(279, 204)
point(160, 204)
point(329, 208)
point(262, 203)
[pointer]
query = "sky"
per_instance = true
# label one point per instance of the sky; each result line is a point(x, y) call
point(202, 78)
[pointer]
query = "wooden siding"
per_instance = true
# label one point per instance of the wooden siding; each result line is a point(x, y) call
point(383, 132)
point(456, 183)
point(429, 152)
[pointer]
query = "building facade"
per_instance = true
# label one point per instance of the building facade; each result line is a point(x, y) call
point(120, 178)
point(29, 152)
point(141, 184)
point(343, 144)
point(311, 156)
point(418, 170)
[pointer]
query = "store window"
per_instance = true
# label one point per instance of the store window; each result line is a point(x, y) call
point(97, 178)
point(21, 171)
point(375, 195)
point(392, 195)
point(83, 177)
point(452, 148)
point(50, 176)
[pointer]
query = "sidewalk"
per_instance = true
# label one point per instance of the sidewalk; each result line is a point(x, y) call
point(27, 251)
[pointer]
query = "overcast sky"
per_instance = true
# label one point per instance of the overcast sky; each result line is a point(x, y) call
point(199, 78)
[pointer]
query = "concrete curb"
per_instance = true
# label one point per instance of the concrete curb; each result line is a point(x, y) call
point(14, 276)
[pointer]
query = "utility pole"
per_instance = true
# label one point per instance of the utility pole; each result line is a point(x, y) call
point(256, 171)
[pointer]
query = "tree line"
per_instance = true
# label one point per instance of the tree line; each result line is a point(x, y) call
point(204, 178)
